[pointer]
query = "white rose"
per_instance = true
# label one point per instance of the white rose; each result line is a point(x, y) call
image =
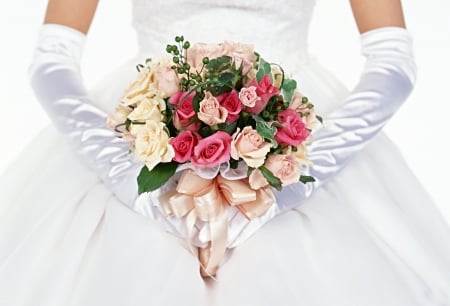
point(141, 87)
point(119, 116)
point(149, 108)
point(152, 143)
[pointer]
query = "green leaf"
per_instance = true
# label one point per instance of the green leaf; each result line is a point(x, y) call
point(263, 68)
point(319, 118)
point(272, 179)
point(288, 89)
point(306, 179)
point(196, 103)
point(228, 128)
point(152, 180)
point(234, 163)
point(266, 130)
point(226, 77)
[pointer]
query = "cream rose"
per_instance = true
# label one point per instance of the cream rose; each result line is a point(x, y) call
point(152, 143)
point(141, 87)
point(250, 146)
point(149, 108)
point(166, 79)
point(285, 167)
point(210, 111)
point(119, 116)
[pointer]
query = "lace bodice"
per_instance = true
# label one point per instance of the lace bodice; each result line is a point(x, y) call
point(276, 28)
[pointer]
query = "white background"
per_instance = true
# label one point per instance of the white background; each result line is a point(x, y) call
point(419, 128)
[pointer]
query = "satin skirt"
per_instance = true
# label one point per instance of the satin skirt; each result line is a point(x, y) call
point(370, 236)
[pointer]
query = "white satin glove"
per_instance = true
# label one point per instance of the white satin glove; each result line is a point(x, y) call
point(386, 81)
point(58, 85)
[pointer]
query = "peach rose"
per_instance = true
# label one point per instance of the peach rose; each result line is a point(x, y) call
point(149, 108)
point(240, 61)
point(304, 109)
point(166, 79)
point(198, 51)
point(250, 146)
point(152, 143)
point(248, 96)
point(210, 111)
point(285, 167)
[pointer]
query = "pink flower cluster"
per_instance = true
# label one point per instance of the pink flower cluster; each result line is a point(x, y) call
point(236, 110)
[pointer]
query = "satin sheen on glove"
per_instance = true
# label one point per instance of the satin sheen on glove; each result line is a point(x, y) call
point(385, 83)
point(58, 85)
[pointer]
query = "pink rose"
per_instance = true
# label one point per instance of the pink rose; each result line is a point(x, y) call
point(198, 51)
point(293, 130)
point(240, 61)
point(212, 151)
point(230, 101)
point(284, 167)
point(265, 90)
point(184, 111)
point(166, 80)
point(210, 111)
point(305, 110)
point(184, 145)
point(248, 96)
point(250, 146)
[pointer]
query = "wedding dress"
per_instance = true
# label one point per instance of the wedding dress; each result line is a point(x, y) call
point(369, 236)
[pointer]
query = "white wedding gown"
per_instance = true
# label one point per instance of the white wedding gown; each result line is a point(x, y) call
point(370, 236)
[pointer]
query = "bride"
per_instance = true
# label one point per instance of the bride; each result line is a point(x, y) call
point(68, 239)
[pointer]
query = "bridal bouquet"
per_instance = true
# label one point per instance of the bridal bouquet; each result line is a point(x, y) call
point(215, 104)
point(233, 124)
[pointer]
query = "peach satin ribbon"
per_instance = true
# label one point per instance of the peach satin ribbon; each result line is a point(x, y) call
point(208, 200)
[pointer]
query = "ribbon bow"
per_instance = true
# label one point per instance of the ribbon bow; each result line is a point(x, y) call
point(208, 200)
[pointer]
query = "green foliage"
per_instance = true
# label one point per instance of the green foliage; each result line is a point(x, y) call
point(263, 68)
point(152, 180)
point(288, 89)
point(306, 179)
point(266, 130)
point(273, 181)
point(219, 64)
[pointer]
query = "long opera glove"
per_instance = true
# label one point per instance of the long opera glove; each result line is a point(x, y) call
point(56, 80)
point(385, 83)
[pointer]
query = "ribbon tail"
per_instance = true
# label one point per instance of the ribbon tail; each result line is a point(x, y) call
point(211, 256)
